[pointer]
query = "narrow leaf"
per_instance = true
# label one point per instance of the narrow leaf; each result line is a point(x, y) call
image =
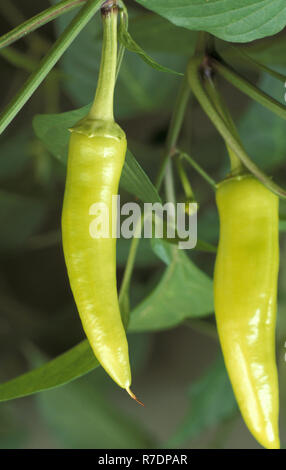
point(53, 130)
point(68, 366)
point(128, 42)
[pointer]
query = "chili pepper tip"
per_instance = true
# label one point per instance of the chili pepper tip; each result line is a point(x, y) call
point(134, 396)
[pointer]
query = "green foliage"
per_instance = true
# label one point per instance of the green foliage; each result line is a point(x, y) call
point(68, 366)
point(53, 130)
point(211, 402)
point(14, 155)
point(94, 420)
point(168, 286)
point(20, 217)
point(156, 34)
point(129, 43)
point(136, 81)
point(183, 292)
point(237, 21)
point(12, 433)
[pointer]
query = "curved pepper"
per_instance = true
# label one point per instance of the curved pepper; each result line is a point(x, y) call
point(94, 169)
point(96, 155)
point(245, 291)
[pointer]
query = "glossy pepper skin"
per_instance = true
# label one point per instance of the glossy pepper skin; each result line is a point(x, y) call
point(93, 173)
point(245, 291)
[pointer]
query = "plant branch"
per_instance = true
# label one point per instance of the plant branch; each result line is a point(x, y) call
point(102, 107)
point(216, 98)
point(125, 285)
point(123, 14)
point(256, 64)
point(174, 128)
point(219, 123)
point(173, 133)
point(199, 169)
point(187, 187)
point(38, 20)
point(249, 89)
point(47, 63)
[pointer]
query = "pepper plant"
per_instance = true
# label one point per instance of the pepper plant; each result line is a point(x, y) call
point(200, 93)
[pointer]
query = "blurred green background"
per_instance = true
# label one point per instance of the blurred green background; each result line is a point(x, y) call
point(178, 372)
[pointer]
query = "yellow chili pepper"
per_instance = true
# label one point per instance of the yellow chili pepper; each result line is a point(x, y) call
point(245, 291)
point(96, 155)
point(94, 168)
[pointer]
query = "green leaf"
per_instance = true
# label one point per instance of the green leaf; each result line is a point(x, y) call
point(74, 363)
point(211, 402)
point(20, 217)
point(231, 20)
point(128, 42)
point(52, 129)
point(156, 34)
point(68, 366)
point(184, 291)
point(135, 180)
point(94, 423)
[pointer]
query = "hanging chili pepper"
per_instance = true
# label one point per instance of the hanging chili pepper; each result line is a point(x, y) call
point(245, 291)
point(96, 155)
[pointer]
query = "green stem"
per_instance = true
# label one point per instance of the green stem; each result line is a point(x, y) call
point(255, 64)
point(125, 285)
point(130, 261)
point(121, 50)
point(184, 180)
point(202, 43)
point(249, 89)
point(173, 133)
point(102, 107)
point(60, 46)
point(199, 169)
point(216, 98)
point(174, 128)
point(202, 97)
point(38, 20)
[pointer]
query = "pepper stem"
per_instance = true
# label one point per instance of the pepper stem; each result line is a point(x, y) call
point(102, 107)
point(134, 396)
point(217, 100)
